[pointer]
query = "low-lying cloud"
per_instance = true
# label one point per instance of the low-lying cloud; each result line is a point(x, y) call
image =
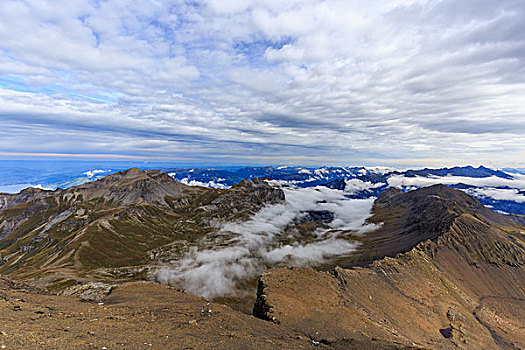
point(500, 194)
point(241, 251)
point(518, 181)
point(492, 187)
point(211, 184)
point(92, 173)
point(354, 186)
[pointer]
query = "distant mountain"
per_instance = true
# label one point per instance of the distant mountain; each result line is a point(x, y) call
point(308, 177)
point(298, 176)
point(467, 171)
point(498, 189)
point(442, 272)
point(494, 188)
point(514, 170)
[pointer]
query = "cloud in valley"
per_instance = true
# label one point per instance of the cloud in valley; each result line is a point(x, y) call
point(241, 251)
point(499, 194)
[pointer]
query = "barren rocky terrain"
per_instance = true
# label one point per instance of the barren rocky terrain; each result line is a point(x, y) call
point(463, 286)
point(441, 271)
point(139, 315)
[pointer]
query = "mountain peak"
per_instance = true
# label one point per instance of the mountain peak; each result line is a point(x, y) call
point(440, 272)
point(133, 172)
point(132, 186)
point(406, 219)
point(126, 219)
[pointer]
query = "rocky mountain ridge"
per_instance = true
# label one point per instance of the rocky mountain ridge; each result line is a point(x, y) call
point(462, 285)
point(115, 228)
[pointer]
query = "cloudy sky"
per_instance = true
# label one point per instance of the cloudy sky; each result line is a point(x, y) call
point(399, 82)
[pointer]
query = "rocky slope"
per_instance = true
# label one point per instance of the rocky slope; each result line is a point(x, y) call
point(116, 228)
point(442, 271)
point(448, 273)
point(407, 219)
point(137, 315)
point(140, 315)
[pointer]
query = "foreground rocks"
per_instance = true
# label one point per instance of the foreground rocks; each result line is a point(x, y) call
point(141, 315)
point(138, 315)
point(92, 291)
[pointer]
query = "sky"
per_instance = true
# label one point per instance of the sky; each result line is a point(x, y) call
point(224, 82)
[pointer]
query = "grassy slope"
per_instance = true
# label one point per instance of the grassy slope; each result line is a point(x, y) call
point(73, 234)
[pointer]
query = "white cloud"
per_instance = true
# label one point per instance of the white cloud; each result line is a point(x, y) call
point(497, 194)
point(193, 182)
point(518, 181)
point(91, 173)
point(241, 251)
point(355, 185)
point(332, 80)
point(380, 169)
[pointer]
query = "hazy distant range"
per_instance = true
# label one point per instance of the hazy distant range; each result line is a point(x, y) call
point(500, 189)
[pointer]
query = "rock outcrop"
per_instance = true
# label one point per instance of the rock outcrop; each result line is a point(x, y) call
point(137, 315)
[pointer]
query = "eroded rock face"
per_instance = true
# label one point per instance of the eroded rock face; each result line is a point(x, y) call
point(261, 308)
point(92, 291)
point(460, 287)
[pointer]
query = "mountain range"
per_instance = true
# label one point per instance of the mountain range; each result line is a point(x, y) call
point(500, 189)
point(423, 265)
point(443, 272)
point(112, 229)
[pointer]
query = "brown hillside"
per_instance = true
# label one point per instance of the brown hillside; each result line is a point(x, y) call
point(462, 286)
point(114, 229)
